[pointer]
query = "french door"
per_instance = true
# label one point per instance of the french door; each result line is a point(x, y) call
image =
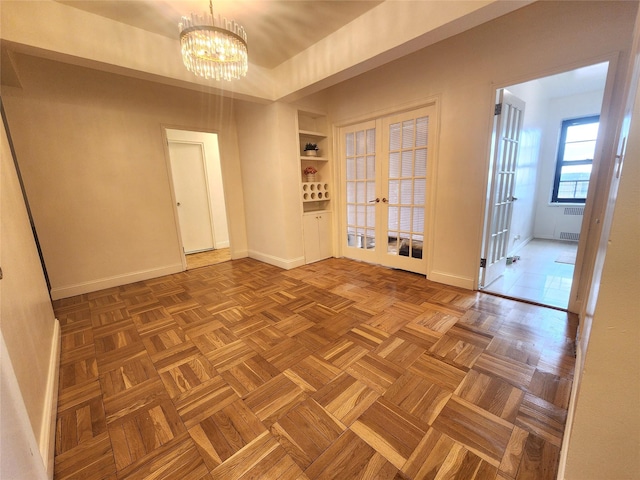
point(386, 166)
point(508, 129)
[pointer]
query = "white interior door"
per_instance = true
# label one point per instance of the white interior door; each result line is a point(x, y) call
point(404, 180)
point(385, 166)
point(508, 128)
point(192, 196)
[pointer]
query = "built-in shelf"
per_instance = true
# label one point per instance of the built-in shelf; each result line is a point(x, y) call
point(309, 133)
point(304, 158)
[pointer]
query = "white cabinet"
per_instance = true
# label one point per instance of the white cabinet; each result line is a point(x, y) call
point(317, 236)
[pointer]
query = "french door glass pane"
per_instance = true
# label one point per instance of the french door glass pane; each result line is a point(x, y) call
point(360, 143)
point(394, 192)
point(351, 192)
point(405, 192)
point(351, 168)
point(422, 131)
point(408, 129)
point(394, 165)
point(419, 190)
point(360, 186)
point(395, 137)
point(371, 167)
point(350, 144)
point(360, 194)
point(371, 191)
point(421, 163)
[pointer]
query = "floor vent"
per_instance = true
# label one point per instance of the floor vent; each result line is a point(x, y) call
point(569, 236)
point(574, 210)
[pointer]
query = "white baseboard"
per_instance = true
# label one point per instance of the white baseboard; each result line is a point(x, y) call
point(277, 261)
point(46, 443)
point(453, 280)
point(115, 281)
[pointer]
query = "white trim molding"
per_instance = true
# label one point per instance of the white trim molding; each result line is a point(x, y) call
point(115, 281)
point(277, 261)
point(453, 280)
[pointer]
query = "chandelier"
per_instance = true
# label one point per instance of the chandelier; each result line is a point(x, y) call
point(213, 47)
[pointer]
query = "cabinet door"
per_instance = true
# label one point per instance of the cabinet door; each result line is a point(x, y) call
point(317, 236)
point(324, 235)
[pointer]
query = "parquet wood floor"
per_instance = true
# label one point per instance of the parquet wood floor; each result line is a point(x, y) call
point(335, 370)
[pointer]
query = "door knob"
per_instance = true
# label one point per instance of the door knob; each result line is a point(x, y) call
point(513, 199)
point(384, 200)
point(377, 200)
point(178, 204)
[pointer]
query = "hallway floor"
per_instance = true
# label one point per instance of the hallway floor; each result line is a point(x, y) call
point(210, 257)
point(543, 274)
point(334, 370)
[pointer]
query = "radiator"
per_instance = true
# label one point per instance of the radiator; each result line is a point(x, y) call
point(569, 236)
point(574, 210)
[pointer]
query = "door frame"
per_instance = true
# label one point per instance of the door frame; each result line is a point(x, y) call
point(167, 156)
point(603, 160)
point(432, 184)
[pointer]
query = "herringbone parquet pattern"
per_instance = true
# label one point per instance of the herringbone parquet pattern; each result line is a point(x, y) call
point(335, 370)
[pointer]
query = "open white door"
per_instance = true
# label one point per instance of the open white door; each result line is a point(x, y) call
point(507, 130)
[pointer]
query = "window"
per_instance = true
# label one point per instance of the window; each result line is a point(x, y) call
point(575, 157)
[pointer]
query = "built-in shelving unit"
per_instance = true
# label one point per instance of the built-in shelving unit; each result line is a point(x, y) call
point(316, 194)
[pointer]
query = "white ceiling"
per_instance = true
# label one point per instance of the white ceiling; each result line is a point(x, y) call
point(276, 29)
point(580, 80)
point(296, 47)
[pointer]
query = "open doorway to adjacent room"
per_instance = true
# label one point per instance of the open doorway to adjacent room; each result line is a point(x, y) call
point(196, 177)
point(539, 178)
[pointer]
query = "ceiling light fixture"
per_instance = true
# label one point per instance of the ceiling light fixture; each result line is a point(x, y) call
point(213, 47)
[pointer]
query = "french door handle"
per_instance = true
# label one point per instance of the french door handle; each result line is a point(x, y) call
point(377, 200)
point(384, 200)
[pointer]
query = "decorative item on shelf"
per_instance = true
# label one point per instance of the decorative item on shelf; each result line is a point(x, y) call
point(213, 47)
point(311, 150)
point(310, 172)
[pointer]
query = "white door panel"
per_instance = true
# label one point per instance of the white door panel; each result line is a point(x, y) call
point(192, 196)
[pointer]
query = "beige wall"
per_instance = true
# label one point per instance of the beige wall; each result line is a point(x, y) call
point(29, 330)
point(605, 438)
point(269, 154)
point(93, 156)
point(462, 73)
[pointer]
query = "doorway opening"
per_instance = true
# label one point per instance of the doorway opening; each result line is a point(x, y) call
point(196, 178)
point(536, 204)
